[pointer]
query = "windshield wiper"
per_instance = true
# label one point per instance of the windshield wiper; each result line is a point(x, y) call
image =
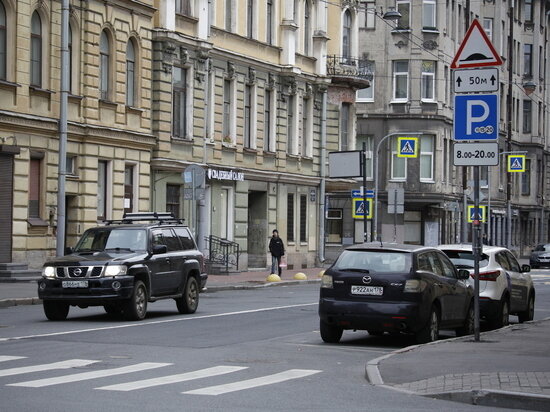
point(118, 249)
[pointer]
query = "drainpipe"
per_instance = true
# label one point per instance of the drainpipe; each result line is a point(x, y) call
point(323, 177)
point(203, 213)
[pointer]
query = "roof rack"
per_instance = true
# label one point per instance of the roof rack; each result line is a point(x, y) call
point(160, 217)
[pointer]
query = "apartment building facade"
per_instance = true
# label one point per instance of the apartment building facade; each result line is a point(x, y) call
point(218, 111)
point(412, 92)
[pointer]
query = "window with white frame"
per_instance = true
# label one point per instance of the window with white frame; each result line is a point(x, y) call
point(292, 113)
point(180, 102)
point(250, 18)
point(229, 114)
point(290, 205)
point(404, 8)
point(250, 116)
point(429, 14)
point(369, 141)
point(269, 120)
point(229, 15)
point(346, 36)
point(428, 80)
point(400, 81)
point(527, 116)
point(269, 21)
point(104, 66)
point(183, 7)
point(335, 225)
point(71, 57)
point(130, 74)
point(36, 50)
point(427, 158)
point(367, 95)
point(307, 27)
point(527, 59)
point(488, 27)
point(528, 11)
point(398, 164)
point(370, 14)
point(307, 126)
point(103, 192)
point(345, 126)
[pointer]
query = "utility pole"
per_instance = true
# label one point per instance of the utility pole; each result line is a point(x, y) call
point(65, 76)
point(509, 108)
point(464, 237)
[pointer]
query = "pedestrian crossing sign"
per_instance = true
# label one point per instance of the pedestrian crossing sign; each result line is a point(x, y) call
point(516, 163)
point(358, 208)
point(407, 146)
point(477, 214)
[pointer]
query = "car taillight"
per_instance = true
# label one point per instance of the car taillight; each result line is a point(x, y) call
point(488, 276)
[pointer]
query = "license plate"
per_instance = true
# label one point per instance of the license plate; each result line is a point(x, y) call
point(74, 283)
point(367, 290)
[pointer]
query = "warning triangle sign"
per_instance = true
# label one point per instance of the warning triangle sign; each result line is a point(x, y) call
point(407, 148)
point(360, 208)
point(516, 164)
point(476, 50)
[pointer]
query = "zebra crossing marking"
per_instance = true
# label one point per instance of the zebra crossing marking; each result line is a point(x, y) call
point(39, 383)
point(164, 380)
point(8, 358)
point(68, 364)
point(253, 383)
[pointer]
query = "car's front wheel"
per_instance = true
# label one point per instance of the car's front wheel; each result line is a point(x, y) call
point(189, 301)
point(330, 333)
point(55, 310)
point(136, 307)
point(430, 331)
point(529, 313)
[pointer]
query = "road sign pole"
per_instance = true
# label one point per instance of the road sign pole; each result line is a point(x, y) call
point(476, 242)
point(364, 192)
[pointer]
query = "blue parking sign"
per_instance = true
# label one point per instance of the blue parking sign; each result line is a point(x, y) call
point(476, 117)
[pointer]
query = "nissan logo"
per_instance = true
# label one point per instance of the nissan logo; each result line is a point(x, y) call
point(366, 279)
point(77, 272)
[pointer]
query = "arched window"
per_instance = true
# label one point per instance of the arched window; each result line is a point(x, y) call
point(104, 75)
point(70, 39)
point(36, 50)
point(346, 36)
point(2, 42)
point(307, 26)
point(130, 74)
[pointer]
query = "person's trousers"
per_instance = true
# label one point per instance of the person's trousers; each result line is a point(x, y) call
point(275, 268)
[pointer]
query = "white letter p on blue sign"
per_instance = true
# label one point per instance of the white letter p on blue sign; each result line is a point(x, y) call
point(471, 118)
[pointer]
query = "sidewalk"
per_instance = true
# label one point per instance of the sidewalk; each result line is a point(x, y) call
point(509, 367)
point(26, 292)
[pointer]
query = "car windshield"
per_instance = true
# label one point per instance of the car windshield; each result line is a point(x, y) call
point(464, 259)
point(543, 248)
point(373, 261)
point(112, 240)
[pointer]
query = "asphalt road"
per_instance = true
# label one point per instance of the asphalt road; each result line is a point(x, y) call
point(243, 350)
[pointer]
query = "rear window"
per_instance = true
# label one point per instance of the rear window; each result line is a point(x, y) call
point(374, 260)
point(463, 259)
point(542, 248)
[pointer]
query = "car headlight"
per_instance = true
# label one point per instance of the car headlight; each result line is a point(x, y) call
point(326, 282)
point(48, 272)
point(115, 270)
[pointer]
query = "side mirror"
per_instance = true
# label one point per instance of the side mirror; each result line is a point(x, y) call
point(463, 274)
point(159, 249)
point(69, 250)
point(525, 268)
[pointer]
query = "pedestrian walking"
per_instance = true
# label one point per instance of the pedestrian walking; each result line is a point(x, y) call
point(277, 249)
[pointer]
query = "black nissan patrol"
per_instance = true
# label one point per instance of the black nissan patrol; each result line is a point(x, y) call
point(124, 265)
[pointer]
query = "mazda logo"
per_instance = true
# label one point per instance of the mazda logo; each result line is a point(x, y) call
point(367, 279)
point(77, 272)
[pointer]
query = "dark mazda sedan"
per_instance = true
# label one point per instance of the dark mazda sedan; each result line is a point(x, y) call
point(395, 288)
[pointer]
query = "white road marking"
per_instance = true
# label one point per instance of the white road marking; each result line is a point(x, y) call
point(39, 383)
point(72, 363)
point(157, 322)
point(182, 377)
point(253, 383)
point(8, 358)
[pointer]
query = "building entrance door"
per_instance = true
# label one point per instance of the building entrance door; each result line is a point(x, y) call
point(257, 230)
point(6, 206)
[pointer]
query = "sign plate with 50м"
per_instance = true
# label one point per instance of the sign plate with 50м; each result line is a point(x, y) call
point(475, 154)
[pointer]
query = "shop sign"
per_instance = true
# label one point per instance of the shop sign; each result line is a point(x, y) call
point(215, 174)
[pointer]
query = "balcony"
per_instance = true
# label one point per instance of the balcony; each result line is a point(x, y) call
point(349, 71)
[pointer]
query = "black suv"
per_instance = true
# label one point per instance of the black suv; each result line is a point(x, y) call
point(395, 288)
point(123, 265)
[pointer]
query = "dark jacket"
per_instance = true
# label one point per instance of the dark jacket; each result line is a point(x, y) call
point(276, 247)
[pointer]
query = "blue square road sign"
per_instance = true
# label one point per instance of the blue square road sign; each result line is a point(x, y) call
point(476, 117)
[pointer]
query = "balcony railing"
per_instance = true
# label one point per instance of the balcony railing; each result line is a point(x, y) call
point(356, 73)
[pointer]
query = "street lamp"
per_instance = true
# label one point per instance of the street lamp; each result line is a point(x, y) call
point(375, 175)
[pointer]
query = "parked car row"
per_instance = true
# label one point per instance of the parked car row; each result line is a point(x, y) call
point(419, 290)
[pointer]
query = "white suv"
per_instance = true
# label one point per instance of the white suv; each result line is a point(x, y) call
point(505, 288)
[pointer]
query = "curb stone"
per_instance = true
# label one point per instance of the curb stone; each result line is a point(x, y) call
point(5, 303)
point(486, 397)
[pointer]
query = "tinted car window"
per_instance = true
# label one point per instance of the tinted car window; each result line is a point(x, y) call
point(185, 238)
point(448, 269)
point(374, 260)
point(463, 259)
point(101, 239)
point(436, 264)
point(514, 265)
point(423, 262)
point(502, 261)
point(170, 240)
